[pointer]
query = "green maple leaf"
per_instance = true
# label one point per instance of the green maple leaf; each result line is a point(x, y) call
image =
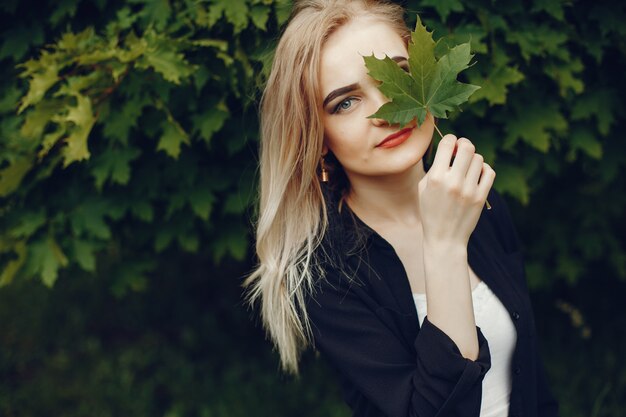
point(39, 83)
point(45, 258)
point(113, 164)
point(236, 12)
point(12, 175)
point(429, 86)
point(83, 118)
point(172, 138)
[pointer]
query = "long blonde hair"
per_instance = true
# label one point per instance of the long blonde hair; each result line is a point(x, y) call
point(292, 215)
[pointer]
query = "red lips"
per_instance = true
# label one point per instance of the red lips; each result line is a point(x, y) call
point(396, 138)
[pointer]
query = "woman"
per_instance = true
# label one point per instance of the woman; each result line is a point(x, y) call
point(392, 269)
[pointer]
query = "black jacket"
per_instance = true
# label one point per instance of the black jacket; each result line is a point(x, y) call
point(364, 321)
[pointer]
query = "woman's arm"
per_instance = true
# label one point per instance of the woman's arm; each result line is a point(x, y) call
point(451, 198)
point(448, 291)
point(433, 379)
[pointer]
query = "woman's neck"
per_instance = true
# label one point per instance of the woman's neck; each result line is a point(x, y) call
point(387, 199)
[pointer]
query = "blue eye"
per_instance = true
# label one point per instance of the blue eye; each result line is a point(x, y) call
point(344, 105)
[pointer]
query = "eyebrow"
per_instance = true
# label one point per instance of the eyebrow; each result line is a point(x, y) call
point(343, 90)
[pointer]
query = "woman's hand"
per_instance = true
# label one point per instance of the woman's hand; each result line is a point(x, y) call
point(452, 197)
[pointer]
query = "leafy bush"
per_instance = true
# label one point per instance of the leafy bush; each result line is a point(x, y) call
point(128, 137)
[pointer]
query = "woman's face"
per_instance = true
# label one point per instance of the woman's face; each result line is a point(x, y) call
point(350, 95)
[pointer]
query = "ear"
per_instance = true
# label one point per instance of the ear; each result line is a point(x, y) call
point(324, 149)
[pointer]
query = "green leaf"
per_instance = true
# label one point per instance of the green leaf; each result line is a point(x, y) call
point(38, 118)
point(201, 201)
point(83, 118)
point(119, 122)
point(176, 202)
point(142, 210)
point(131, 276)
point(512, 180)
point(155, 12)
point(443, 7)
point(162, 56)
point(236, 12)
point(14, 265)
point(45, 257)
point(113, 164)
point(39, 83)
point(83, 253)
point(135, 47)
point(207, 123)
point(584, 140)
point(10, 99)
point(11, 176)
point(600, 103)
point(77, 42)
point(64, 8)
point(494, 87)
point(431, 85)
point(233, 241)
point(87, 219)
point(238, 201)
point(201, 77)
point(541, 40)
point(235, 204)
point(259, 14)
point(474, 34)
point(124, 19)
point(172, 138)
point(553, 7)
point(219, 44)
point(570, 267)
point(29, 223)
point(50, 139)
point(188, 241)
point(535, 124)
point(282, 10)
point(164, 237)
point(565, 74)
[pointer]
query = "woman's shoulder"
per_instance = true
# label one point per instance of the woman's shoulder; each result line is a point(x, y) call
point(345, 234)
point(339, 258)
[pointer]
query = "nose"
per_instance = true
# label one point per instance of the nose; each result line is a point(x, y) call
point(378, 99)
point(379, 122)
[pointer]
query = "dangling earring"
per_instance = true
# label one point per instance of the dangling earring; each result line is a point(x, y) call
point(324, 171)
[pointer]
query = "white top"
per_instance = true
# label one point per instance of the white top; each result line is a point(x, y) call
point(496, 325)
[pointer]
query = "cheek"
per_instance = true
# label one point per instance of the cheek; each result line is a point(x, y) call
point(346, 140)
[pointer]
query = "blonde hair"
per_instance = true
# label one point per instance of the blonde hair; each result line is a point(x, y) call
point(292, 215)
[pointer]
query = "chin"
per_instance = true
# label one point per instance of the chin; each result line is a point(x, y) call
point(407, 159)
point(400, 167)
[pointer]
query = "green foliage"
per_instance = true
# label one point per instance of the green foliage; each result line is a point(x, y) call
point(130, 120)
point(545, 118)
point(430, 85)
point(128, 138)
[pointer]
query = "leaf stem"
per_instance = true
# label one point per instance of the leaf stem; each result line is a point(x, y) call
point(438, 131)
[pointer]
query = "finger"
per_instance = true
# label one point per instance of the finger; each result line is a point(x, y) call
point(464, 155)
point(443, 154)
point(486, 180)
point(474, 170)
